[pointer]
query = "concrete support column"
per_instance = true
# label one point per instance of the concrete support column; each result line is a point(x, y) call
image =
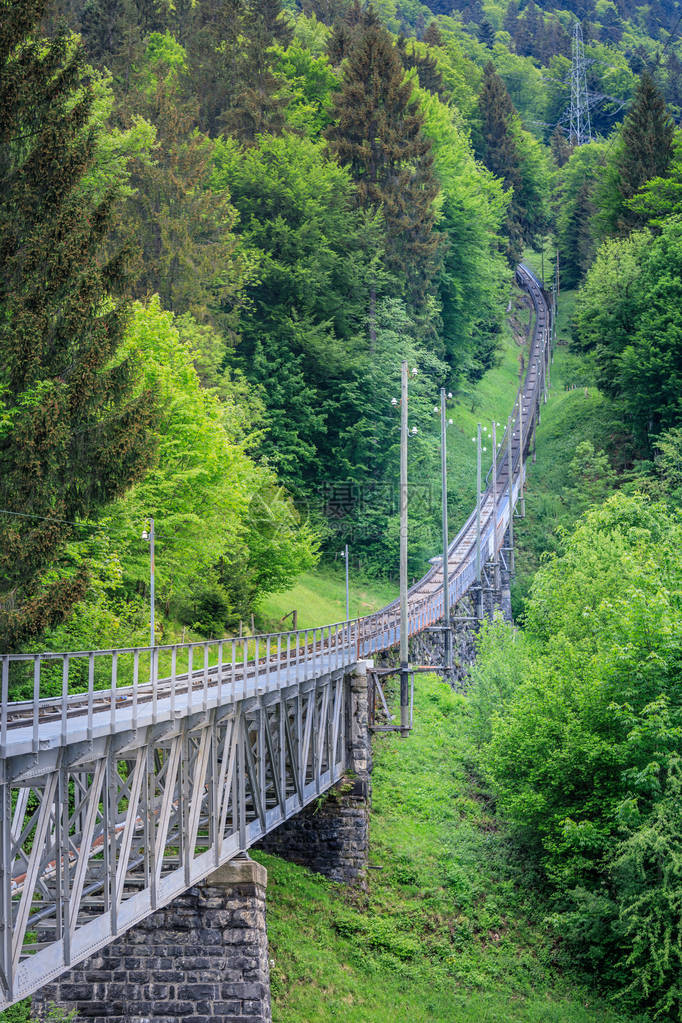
point(331, 836)
point(204, 957)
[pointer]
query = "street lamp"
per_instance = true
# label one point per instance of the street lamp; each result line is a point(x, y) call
point(444, 494)
point(404, 647)
point(344, 555)
point(149, 537)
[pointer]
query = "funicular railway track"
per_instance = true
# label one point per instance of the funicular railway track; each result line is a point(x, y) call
point(166, 761)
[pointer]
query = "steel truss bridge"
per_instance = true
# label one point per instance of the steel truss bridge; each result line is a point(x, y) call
point(132, 774)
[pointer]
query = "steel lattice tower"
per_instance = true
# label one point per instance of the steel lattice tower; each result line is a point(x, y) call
point(580, 130)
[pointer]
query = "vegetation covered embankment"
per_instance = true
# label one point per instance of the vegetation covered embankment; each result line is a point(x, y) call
point(453, 927)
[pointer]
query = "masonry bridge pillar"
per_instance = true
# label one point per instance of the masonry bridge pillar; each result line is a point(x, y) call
point(203, 957)
point(331, 835)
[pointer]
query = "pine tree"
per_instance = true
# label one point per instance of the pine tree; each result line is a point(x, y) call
point(378, 135)
point(74, 433)
point(559, 146)
point(498, 150)
point(258, 108)
point(486, 34)
point(432, 36)
point(647, 137)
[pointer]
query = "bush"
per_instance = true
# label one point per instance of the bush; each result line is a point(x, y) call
point(582, 726)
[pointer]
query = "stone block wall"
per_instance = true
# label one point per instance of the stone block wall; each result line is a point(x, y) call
point(202, 958)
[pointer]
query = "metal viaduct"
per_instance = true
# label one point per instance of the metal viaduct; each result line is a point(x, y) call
point(168, 762)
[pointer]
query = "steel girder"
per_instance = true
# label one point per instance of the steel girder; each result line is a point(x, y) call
point(117, 828)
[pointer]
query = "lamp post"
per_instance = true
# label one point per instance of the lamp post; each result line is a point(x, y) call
point(149, 537)
point(444, 498)
point(404, 638)
point(344, 555)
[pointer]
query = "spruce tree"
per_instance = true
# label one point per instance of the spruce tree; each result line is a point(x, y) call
point(74, 432)
point(498, 150)
point(257, 108)
point(182, 226)
point(430, 77)
point(378, 135)
point(559, 146)
point(486, 34)
point(432, 36)
point(647, 137)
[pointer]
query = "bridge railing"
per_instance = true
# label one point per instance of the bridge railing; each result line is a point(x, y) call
point(42, 693)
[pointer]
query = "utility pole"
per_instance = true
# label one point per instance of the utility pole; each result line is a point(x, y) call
point(543, 261)
point(478, 506)
point(494, 483)
point(347, 591)
point(510, 467)
point(404, 639)
point(444, 488)
point(149, 537)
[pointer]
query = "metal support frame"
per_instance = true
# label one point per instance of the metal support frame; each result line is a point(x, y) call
point(104, 833)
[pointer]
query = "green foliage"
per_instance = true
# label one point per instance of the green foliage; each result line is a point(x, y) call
point(585, 753)
point(208, 498)
point(473, 277)
point(629, 319)
point(502, 657)
point(378, 135)
point(300, 333)
point(74, 422)
point(183, 227)
point(451, 928)
point(643, 152)
point(574, 190)
point(515, 157)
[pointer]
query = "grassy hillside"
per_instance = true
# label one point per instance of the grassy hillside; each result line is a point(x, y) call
point(320, 598)
point(451, 930)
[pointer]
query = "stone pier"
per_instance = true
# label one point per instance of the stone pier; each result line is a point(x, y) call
point(331, 836)
point(202, 958)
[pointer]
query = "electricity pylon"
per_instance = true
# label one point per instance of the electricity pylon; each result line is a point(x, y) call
point(580, 130)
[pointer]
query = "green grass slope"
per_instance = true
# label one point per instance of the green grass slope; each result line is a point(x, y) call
point(320, 599)
point(450, 931)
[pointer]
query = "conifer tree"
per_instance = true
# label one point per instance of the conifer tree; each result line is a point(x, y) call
point(486, 34)
point(647, 137)
point(213, 54)
point(183, 227)
point(432, 36)
point(559, 146)
point(258, 108)
point(378, 135)
point(499, 151)
point(430, 77)
point(74, 433)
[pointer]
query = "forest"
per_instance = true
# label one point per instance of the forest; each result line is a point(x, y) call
point(223, 224)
